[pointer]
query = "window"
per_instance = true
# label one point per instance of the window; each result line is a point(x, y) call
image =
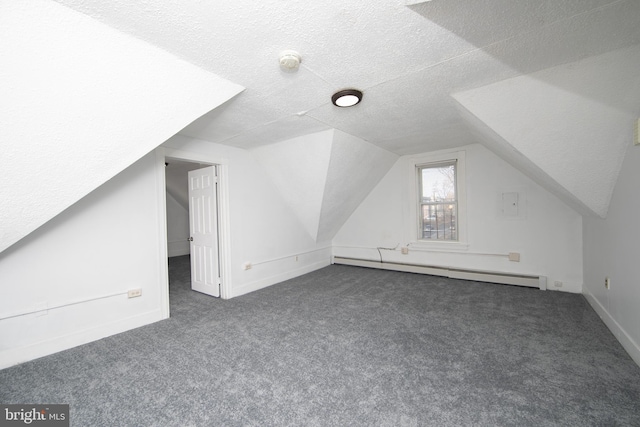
point(438, 201)
point(437, 210)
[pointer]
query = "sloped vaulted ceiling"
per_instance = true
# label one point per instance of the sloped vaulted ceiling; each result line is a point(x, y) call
point(568, 118)
point(324, 177)
point(80, 103)
point(577, 137)
point(431, 73)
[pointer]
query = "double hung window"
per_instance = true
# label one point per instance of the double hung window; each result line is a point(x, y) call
point(438, 201)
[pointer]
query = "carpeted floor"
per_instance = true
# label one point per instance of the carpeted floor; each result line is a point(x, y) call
point(347, 346)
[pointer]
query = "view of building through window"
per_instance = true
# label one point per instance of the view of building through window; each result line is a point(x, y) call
point(438, 201)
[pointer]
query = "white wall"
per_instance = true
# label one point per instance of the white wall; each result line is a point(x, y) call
point(263, 229)
point(611, 250)
point(105, 244)
point(177, 227)
point(548, 235)
point(71, 259)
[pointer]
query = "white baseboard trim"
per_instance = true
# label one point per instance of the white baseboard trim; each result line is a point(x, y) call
point(178, 248)
point(15, 356)
point(533, 281)
point(618, 331)
point(263, 283)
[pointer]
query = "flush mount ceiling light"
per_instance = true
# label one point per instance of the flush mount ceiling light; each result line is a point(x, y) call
point(346, 98)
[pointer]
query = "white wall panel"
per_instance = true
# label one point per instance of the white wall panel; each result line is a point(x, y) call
point(85, 259)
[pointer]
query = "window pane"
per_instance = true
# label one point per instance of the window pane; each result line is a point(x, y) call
point(438, 201)
point(439, 183)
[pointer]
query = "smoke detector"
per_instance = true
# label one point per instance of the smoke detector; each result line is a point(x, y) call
point(290, 61)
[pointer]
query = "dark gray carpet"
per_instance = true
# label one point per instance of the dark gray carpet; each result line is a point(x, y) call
point(348, 346)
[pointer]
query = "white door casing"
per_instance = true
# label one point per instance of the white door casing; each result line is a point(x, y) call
point(203, 226)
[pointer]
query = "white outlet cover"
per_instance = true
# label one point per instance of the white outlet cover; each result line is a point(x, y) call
point(134, 293)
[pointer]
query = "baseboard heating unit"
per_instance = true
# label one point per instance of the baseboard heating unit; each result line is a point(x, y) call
point(530, 281)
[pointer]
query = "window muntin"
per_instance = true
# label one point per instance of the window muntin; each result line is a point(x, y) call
point(438, 201)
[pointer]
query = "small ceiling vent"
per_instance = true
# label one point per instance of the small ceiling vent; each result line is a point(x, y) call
point(290, 60)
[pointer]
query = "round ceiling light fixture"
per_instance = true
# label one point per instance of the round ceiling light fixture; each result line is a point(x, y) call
point(346, 98)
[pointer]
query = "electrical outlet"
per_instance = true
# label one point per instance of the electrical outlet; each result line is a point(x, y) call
point(247, 265)
point(133, 293)
point(607, 283)
point(404, 250)
point(557, 284)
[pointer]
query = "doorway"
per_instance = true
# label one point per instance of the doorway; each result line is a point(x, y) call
point(178, 214)
point(192, 220)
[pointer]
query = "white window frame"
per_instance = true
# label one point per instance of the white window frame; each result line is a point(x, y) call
point(457, 156)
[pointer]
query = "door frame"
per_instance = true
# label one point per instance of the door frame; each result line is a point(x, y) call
point(164, 154)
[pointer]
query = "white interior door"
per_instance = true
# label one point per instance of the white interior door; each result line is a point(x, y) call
point(203, 225)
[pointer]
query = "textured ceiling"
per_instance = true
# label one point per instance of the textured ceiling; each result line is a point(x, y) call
point(407, 65)
point(80, 103)
point(408, 57)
